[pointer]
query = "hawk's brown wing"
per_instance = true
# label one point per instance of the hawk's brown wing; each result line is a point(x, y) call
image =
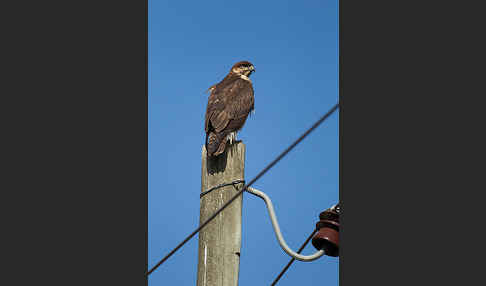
point(229, 105)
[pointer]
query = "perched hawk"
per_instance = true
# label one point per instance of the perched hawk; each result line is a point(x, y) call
point(229, 104)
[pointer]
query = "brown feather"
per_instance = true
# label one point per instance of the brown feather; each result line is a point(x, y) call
point(229, 104)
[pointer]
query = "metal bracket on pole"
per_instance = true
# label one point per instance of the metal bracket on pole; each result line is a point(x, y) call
point(276, 228)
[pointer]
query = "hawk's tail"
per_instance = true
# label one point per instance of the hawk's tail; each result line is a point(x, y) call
point(215, 143)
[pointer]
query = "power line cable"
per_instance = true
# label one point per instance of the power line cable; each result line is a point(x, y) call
point(314, 126)
point(293, 259)
point(220, 186)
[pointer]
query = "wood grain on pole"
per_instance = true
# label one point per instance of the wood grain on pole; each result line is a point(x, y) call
point(220, 240)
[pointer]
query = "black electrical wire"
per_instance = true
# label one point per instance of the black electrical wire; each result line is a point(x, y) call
point(220, 186)
point(293, 259)
point(314, 126)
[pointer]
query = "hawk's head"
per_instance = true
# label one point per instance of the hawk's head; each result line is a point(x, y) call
point(244, 68)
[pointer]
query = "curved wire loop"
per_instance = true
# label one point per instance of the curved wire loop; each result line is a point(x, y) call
point(276, 228)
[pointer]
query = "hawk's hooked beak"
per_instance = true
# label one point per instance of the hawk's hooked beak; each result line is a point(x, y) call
point(252, 69)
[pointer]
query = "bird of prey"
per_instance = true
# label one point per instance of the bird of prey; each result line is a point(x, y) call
point(229, 104)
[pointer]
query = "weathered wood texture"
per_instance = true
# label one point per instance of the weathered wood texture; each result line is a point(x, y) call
point(220, 240)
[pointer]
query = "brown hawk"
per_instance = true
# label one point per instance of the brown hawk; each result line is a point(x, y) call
point(229, 104)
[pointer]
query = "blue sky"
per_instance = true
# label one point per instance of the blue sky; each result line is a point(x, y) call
point(294, 47)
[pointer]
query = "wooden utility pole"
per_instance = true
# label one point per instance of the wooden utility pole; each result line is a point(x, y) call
point(220, 240)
